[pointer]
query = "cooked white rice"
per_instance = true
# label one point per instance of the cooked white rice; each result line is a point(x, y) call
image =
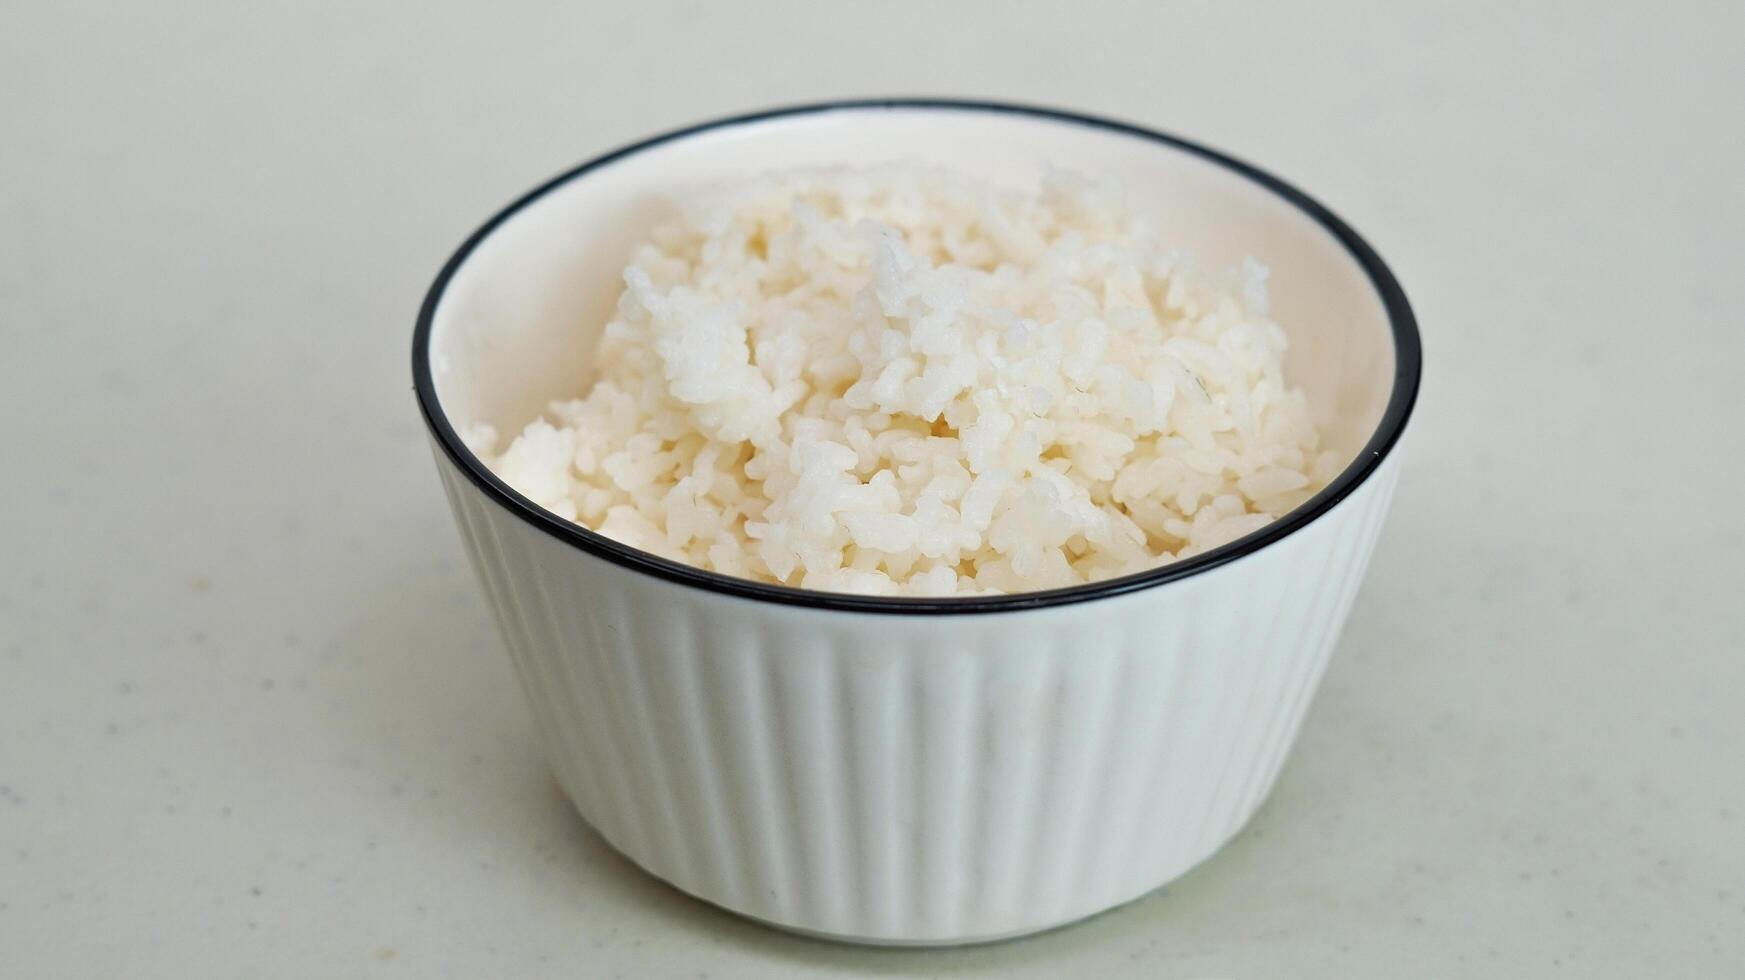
point(906, 381)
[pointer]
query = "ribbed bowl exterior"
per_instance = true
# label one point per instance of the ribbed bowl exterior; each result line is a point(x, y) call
point(888, 778)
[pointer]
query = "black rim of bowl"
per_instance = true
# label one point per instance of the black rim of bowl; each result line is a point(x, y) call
point(1407, 368)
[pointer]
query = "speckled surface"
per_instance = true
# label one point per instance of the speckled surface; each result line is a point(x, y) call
point(253, 719)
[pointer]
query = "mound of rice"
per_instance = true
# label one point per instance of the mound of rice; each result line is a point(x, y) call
point(906, 381)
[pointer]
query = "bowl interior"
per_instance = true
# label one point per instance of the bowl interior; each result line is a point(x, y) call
point(516, 323)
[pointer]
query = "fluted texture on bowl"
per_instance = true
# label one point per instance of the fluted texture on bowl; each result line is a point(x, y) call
point(918, 779)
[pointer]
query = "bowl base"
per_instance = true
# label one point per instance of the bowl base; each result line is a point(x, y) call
point(879, 942)
point(885, 942)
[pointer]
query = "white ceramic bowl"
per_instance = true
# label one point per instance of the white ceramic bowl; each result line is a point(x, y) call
point(903, 770)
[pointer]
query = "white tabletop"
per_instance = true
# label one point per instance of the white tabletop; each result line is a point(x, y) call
point(254, 720)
